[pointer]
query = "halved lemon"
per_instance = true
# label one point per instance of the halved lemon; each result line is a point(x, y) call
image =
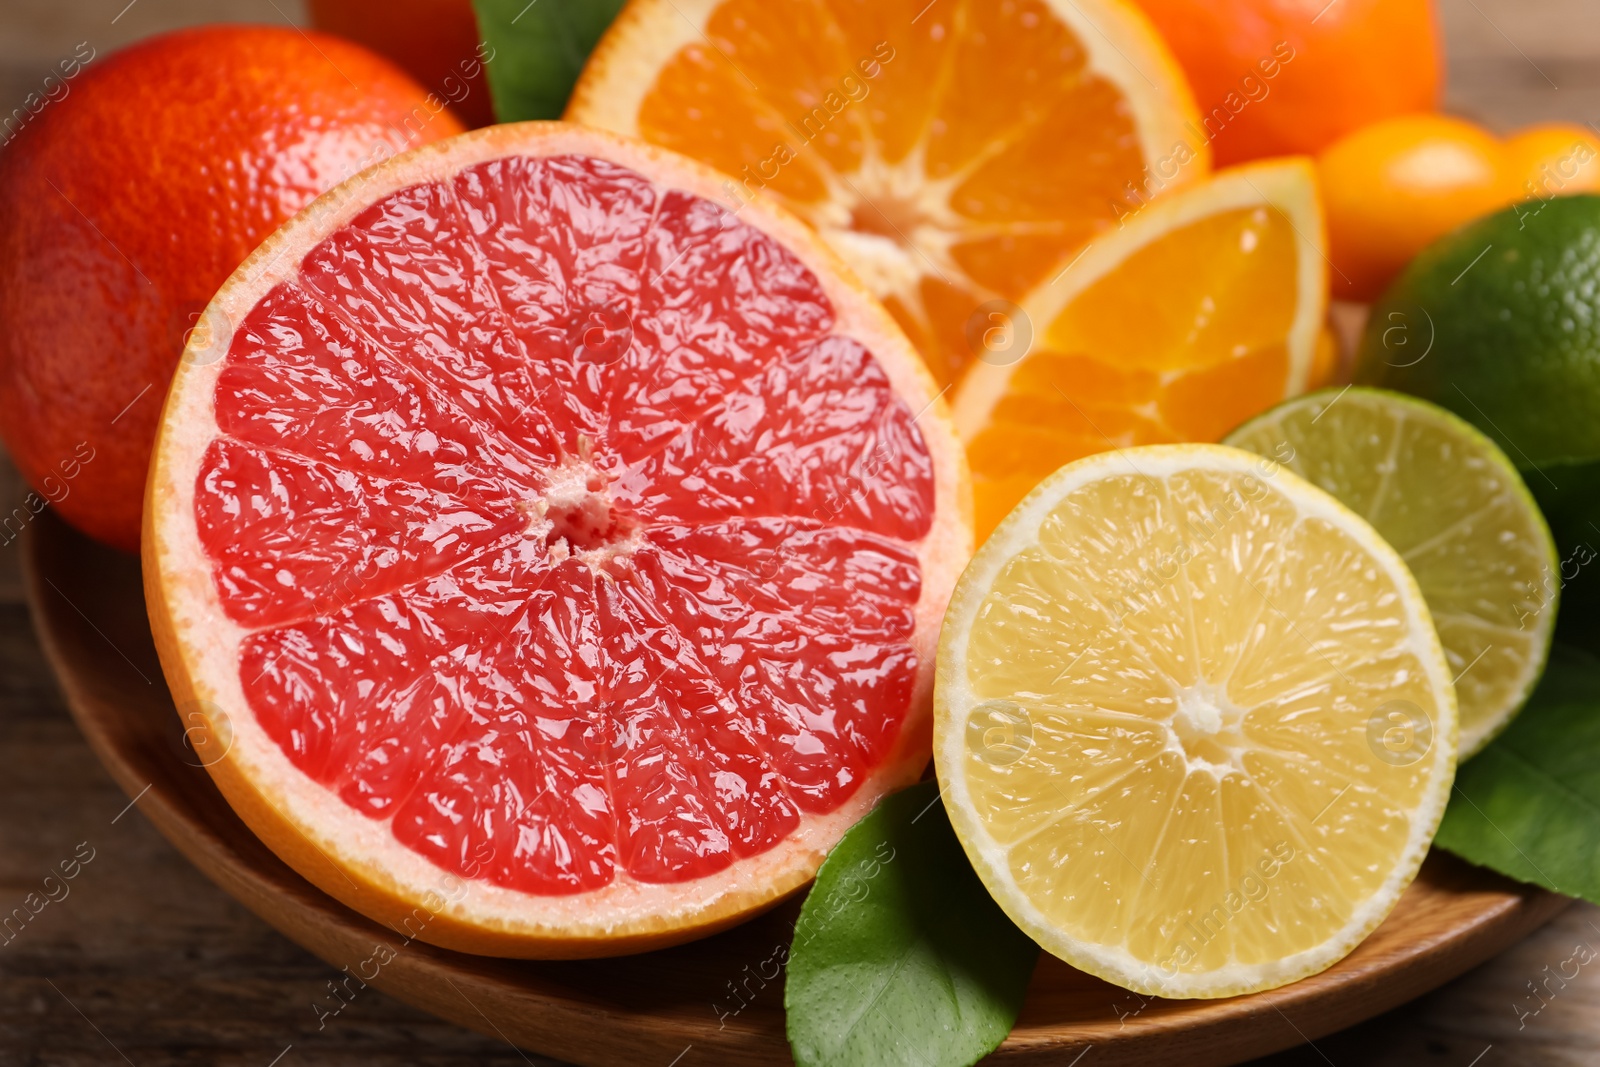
point(955, 152)
point(1207, 307)
point(1192, 722)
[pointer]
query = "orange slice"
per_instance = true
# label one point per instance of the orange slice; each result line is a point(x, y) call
point(953, 151)
point(1206, 308)
point(554, 559)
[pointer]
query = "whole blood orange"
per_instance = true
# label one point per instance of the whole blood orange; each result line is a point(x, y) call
point(124, 205)
point(556, 556)
point(435, 41)
point(1278, 77)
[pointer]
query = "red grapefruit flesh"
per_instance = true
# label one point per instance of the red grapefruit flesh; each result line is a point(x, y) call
point(550, 552)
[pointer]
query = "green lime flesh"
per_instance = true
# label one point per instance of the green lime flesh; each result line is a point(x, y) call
point(1449, 501)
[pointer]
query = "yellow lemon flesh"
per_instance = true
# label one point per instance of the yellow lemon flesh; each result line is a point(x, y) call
point(1192, 721)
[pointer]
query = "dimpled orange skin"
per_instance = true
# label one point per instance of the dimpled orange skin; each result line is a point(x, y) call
point(1394, 188)
point(1353, 62)
point(127, 202)
point(432, 40)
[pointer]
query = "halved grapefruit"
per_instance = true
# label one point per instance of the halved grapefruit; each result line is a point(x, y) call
point(556, 557)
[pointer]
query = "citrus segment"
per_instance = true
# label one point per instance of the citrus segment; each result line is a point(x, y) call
point(1194, 727)
point(1450, 502)
point(546, 531)
point(1204, 309)
point(954, 153)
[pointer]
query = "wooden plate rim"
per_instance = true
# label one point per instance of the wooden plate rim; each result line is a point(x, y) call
point(532, 1006)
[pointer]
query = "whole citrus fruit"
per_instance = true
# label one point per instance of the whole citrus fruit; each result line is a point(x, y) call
point(1396, 186)
point(1274, 77)
point(126, 204)
point(1552, 159)
point(1500, 323)
point(435, 41)
point(558, 555)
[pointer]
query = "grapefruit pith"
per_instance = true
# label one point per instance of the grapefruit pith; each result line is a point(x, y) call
point(555, 556)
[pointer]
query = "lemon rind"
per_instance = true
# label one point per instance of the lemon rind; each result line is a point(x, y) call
point(1474, 737)
point(1113, 963)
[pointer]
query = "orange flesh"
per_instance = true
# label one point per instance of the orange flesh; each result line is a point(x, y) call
point(1154, 351)
point(954, 153)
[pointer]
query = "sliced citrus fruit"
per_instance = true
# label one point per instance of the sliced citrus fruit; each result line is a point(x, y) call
point(1193, 725)
point(954, 152)
point(1450, 502)
point(1204, 309)
point(556, 557)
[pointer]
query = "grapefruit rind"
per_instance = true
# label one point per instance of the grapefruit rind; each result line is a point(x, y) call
point(355, 859)
point(953, 703)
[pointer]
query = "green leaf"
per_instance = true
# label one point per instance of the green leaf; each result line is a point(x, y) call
point(536, 49)
point(1569, 495)
point(1528, 805)
point(900, 955)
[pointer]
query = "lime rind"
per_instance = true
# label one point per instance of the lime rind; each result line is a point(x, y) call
point(1364, 472)
point(1497, 322)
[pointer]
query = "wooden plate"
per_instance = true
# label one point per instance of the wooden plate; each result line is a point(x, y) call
point(682, 1006)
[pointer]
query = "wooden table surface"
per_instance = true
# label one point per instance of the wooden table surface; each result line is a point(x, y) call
point(145, 962)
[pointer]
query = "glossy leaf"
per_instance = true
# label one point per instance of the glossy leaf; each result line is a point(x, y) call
point(536, 49)
point(1528, 805)
point(900, 955)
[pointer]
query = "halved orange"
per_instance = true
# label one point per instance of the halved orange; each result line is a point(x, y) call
point(953, 151)
point(1206, 308)
point(556, 559)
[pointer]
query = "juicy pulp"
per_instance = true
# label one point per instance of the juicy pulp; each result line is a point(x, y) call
point(571, 539)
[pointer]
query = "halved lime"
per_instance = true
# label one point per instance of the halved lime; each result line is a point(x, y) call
point(1451, 503)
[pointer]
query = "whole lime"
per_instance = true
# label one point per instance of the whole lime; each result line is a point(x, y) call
point(1500, 322)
